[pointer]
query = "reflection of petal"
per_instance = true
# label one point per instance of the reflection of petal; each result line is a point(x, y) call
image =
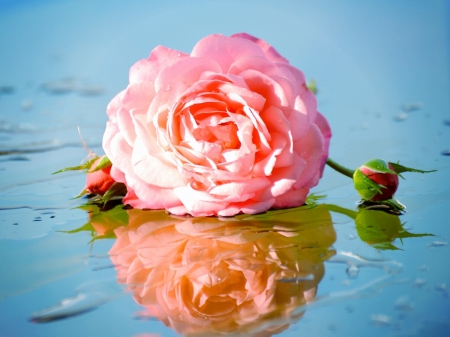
point(199, 275)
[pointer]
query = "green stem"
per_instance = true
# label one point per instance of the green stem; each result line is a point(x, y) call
point(342, 210)
point(341, 169)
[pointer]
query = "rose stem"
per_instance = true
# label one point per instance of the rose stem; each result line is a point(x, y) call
point(341, 210)
point(341, 169)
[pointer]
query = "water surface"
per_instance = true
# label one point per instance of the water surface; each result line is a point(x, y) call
point(332, 270)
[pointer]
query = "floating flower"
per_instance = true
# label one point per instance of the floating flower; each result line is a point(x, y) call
point(229, 128)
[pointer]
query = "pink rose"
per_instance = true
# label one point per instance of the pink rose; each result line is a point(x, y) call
point(230, 128)
point(203, 275)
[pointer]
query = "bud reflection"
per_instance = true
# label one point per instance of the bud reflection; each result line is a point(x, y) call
point(377, 228)
point(204, 276)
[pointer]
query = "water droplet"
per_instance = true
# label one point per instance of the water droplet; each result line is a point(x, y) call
point(197, 185)
point(424, 268)
point(6, 89)
point(446, 152)
point(437, 244)
point(178, 54)
point(400, 117)
point(404, 304)
point(346, 283)
point(440, 287)
point(365, 126)
point(419, 283)
point(333, 327)
point(38, 218)
point(349, 308)
point(15, 224)
point(447, 122)
point(91, 89)
point(352, 271)
point(167, 87)
point(60, 86)
point(26, 104)
point(350, 237)
point(411, 107)
point(380, 320)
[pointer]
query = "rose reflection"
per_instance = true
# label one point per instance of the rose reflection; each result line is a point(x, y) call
point(208, 275)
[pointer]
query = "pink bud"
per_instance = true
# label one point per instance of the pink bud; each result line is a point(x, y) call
point(99, 182)
point(387, 181)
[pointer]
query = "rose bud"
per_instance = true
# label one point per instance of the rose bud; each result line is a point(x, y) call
point(99, 179)
point(376, 180)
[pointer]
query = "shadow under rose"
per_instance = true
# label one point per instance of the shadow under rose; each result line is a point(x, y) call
point(245, 275)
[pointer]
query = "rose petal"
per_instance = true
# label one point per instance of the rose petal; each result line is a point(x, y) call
point(126, 126)
point(138, 96)
point(265, 166)
point(240, 188)
point(311, 148)
point(252, 99)
point(149, 163)
point(224, 50)
point(270, 52)
point(160, 58)
point(292, 198)
point(114, 106)
point(151, 197)
point(284, 178)
point(266, 87)
point(187, 71)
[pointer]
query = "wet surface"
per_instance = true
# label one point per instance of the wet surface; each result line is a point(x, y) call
point(382, 74)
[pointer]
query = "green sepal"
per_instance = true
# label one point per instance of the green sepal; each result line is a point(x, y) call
point(311, 200)
point(81, 194)
point(366, 187)
point(400, 169)
point(110, 220)
point(83, 167)
point(312, 85)
point(392, 206)
point(103, 163)
point(116, 190)
point(86, 227)
point(379, 166)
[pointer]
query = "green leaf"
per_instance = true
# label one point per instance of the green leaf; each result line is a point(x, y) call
point(83, 167)
point(400, 169)
point(103, 163)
